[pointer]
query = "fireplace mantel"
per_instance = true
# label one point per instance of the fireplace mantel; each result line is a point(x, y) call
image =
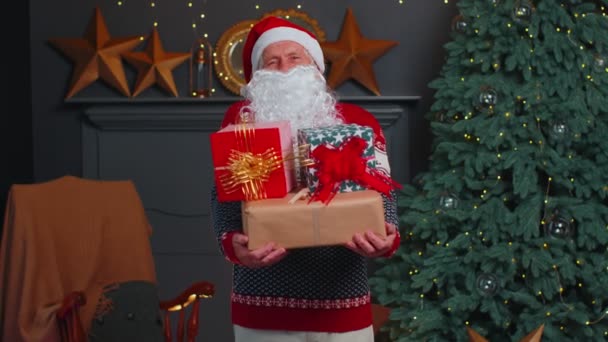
point(193, 114)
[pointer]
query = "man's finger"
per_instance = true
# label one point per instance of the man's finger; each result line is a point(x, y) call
point(375, 240)
point(263, 251)
point(381, 245)
point(363, 244)
point(351, 245)
point(240, 239)
point(274, 256)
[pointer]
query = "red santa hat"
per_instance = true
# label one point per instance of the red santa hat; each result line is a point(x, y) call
point(274, 29)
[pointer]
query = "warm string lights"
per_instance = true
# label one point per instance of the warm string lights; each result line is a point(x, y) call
point(521, 17)
point(258, 5)
point(199, 16)
point(571, 307)
point(401, 2)
point(560, 286)
point(523, 12)
point(298, 6)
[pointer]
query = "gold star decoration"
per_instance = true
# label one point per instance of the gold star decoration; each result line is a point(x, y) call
point(352, 55)
point(155, 65)
point(96, 56)
point(534, 336)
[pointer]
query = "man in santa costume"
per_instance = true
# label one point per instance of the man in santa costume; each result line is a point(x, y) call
point(307, 294)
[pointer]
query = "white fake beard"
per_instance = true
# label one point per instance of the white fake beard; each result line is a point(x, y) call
point(300, 96)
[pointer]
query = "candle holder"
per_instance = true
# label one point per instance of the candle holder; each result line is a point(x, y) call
point(201, 65)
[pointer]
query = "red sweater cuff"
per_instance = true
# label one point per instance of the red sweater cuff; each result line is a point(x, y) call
point(395, 245)
point(229, 248)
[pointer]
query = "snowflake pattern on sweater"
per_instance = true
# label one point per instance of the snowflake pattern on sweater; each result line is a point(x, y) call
point(311, 289)
point(317, 278)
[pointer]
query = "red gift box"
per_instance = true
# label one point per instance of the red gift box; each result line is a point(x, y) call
point(253, 161)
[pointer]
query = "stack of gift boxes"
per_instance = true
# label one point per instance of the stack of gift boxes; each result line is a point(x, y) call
point(317, 187)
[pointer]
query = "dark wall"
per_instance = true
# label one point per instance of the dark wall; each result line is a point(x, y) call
point(16, 117)
point(42, 135)
point(420, 27)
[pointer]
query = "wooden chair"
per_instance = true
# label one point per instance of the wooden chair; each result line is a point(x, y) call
point(179, 304)
point(64, 243)
point(71, 328)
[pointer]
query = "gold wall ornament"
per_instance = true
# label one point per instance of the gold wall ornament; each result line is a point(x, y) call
point(228, 56)
point(228, 61)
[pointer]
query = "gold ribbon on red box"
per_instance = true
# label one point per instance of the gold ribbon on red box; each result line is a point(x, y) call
point(247, 171)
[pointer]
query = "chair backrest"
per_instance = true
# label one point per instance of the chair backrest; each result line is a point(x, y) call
point(189, 298)
point(65, 235)
point(76, 262)
point(71, 328)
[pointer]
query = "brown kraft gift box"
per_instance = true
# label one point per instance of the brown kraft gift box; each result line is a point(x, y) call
point(314, 224)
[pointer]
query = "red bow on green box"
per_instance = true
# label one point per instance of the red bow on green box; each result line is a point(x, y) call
point(345, 162)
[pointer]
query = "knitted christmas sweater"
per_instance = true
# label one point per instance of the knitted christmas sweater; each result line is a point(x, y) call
point(312, 289)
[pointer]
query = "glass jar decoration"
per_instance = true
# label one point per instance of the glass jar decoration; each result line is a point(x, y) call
point(488, 97)
point(559, 130)
point(558, 226)
point(201, 68)
point(488, 284)
point(448, 201)
point(522, 12)
point(600, 63)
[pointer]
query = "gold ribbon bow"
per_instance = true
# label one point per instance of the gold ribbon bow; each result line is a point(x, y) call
point(248, 171)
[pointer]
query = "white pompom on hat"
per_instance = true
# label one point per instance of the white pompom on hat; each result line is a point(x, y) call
point(274, 29)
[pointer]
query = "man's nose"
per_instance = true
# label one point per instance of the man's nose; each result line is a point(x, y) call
point(285, 65)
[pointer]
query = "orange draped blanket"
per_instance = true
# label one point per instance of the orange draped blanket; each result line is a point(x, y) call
point(68, 234)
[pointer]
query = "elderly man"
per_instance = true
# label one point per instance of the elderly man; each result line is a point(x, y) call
point(307, 294)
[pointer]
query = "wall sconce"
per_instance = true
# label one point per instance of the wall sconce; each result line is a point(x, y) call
point(201, 65)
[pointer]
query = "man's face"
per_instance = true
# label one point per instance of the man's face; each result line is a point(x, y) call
point(284, 55)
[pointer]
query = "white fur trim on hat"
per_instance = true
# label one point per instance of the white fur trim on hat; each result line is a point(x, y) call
point(278, 34)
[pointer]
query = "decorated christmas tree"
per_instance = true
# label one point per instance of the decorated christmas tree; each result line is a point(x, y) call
point(506, 233)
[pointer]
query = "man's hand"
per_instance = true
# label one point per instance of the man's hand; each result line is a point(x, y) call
point(371, 245)
point(261, 257)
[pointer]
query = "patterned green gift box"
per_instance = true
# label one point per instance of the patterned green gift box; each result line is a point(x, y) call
point(334, 136)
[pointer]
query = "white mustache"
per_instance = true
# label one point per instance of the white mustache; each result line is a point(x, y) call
point(299, 95)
